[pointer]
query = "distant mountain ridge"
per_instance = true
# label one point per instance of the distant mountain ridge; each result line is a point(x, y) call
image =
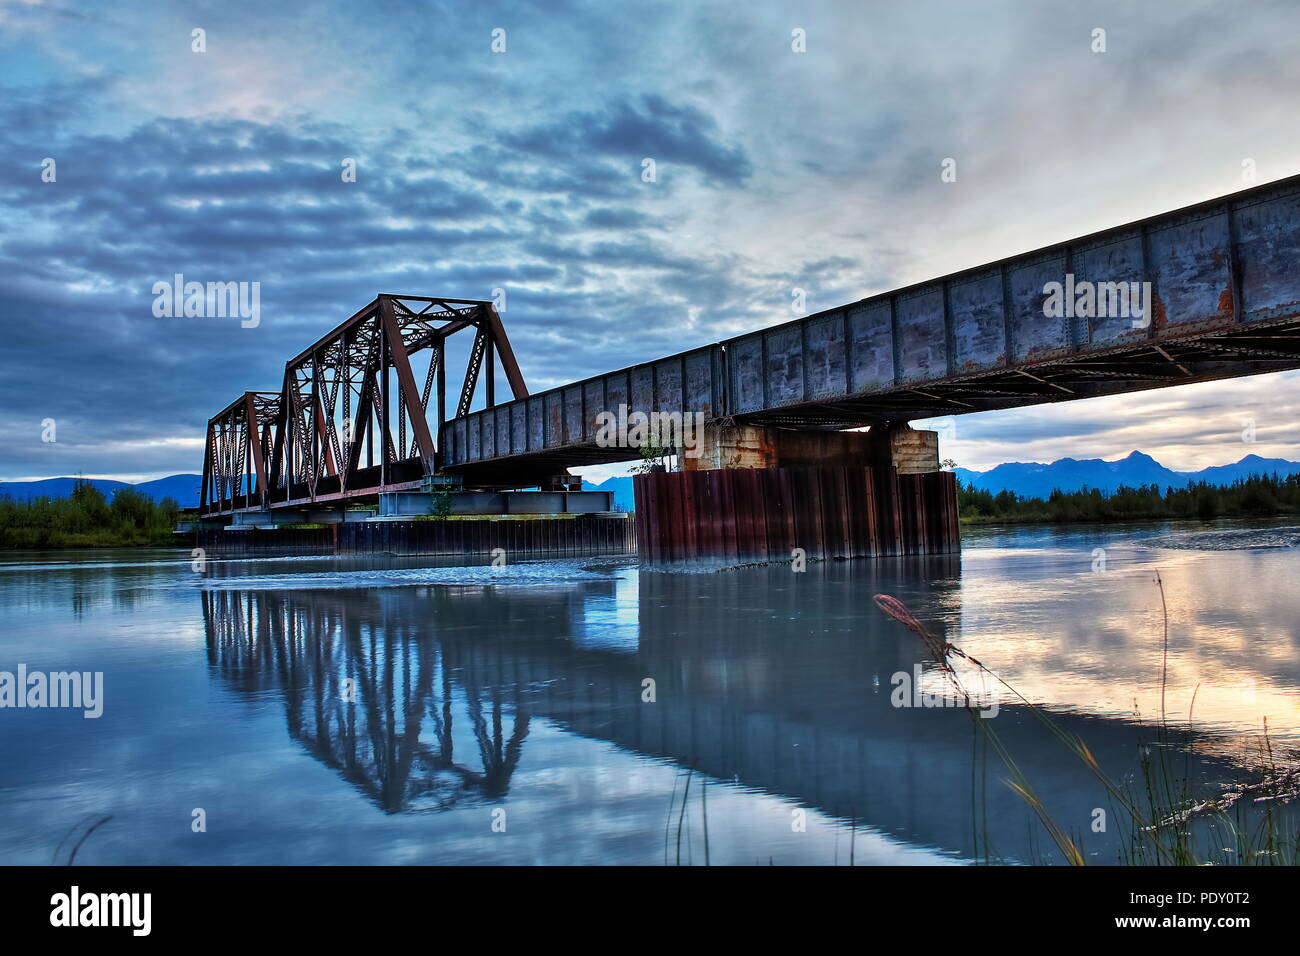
point(183, 489)
point(624, 498)
point(1029, 479)
point(1037, 480)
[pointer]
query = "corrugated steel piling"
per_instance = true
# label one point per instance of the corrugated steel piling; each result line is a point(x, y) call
point(765, 514)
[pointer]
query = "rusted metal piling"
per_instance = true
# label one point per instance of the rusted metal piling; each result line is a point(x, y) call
point(765, 514)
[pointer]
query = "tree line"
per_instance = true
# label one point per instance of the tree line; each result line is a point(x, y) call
point(86, 519)
point(1254, 496)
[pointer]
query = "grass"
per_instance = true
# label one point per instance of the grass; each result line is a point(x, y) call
point(1165, 820)
point(76, 836)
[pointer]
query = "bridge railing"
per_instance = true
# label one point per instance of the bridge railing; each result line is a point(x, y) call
point(567, 415)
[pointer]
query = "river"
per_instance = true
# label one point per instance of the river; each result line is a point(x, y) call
point(352, 711)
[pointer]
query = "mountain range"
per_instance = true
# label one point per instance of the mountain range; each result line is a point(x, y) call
point(1036, 480)
point(183, 489)
point(1030, 479)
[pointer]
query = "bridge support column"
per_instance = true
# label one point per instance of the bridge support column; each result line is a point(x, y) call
point(909, 450)
point(732, 446)
point(755, 493)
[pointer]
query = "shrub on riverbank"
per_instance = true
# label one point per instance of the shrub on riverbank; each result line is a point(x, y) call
point(1255, 496)
point(87, 520)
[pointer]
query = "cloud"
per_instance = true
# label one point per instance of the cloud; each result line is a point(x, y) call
point(630, 131)
point(1184, 427)
point(522, 171)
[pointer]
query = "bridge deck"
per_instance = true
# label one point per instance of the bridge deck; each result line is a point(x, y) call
point(1225, 301)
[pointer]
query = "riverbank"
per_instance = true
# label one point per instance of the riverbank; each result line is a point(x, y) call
point(86, 519)
point(1030, 521)
point(1258, 496)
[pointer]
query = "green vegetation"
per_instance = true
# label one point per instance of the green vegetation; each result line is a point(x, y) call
point(88, 520)
point(654, 458)
point(1255, 496)
point(442, 499)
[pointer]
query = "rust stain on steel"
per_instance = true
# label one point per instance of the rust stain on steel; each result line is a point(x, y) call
point(1159, 318)
point(1225, 302)
point(765, 514)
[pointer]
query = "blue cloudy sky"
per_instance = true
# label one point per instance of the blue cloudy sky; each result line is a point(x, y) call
point(522, 170)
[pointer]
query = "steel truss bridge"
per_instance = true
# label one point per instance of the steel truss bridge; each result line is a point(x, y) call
point(1225, 292)
point(351, 417)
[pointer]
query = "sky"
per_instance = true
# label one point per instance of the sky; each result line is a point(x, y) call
point(522, 170)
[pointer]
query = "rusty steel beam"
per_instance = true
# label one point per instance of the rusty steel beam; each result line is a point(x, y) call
point(364, 413)
point(234, 456)
point(324, 432)
point(255, 443)
point(471, 376)
point(410, 393)
point(206, 483)
point(506, 354)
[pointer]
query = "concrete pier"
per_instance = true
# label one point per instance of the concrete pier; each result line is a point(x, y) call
point(910, 451)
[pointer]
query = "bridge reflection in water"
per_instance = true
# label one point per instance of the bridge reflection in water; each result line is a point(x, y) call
point(368, 695)
point(422, 697)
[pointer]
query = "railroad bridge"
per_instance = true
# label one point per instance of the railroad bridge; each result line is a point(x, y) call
point(1216, 294)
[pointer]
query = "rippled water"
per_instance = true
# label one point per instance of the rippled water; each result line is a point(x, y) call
point(1228, 539)
point(322, 710)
